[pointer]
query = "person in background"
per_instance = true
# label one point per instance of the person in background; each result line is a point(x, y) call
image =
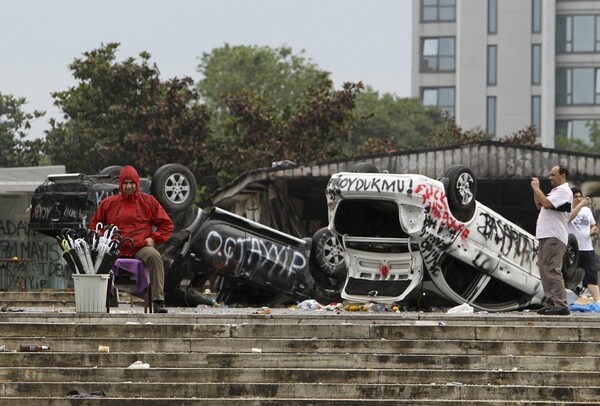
point(583, 226)
point(551, 232)
point(140, 217)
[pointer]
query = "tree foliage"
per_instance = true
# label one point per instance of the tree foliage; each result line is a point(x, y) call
point(575, 144)
point(387, 121)
point(254, 106)
point(15, 150)
point(526, 136)
point(453, 134)
point(272, 105)
point(122, 112)
point(276, 73)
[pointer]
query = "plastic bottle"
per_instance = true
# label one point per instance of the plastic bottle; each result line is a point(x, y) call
point(33, 348)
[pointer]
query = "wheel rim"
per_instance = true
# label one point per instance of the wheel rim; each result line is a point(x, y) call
point(177, 188)
point(333, 252)
point(463, 186)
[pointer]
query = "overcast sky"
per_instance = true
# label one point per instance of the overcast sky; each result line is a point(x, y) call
point(355, 40)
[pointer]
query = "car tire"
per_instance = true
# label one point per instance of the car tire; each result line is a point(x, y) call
point(572, 274)
point(174, 186)
point(461, 189)
point(328, 253)
point(327, 267)
point(364, 167)
point(112, 172)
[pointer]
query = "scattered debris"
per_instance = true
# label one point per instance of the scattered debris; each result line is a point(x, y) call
point(138, 365)
point(76, 394)
point(464, 308)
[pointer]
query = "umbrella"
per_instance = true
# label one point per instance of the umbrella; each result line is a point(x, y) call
point(112, 254)
point(103, 243)
point(101, 251)
point(92, 252)
point(83, 251)
point(75, 255)
point(68, 246)
point(67, 254)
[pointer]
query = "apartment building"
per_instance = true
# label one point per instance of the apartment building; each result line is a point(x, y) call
point(501, 65)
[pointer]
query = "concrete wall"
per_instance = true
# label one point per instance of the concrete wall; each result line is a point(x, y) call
point(43, 266)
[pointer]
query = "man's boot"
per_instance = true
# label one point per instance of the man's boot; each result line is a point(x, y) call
point(159, 306)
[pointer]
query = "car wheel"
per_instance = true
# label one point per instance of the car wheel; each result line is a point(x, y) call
point(328, 266)
point(328, 253)
point(174, 186)
point(112, 172)
point(572, 275)
point(364, 167)
point(461, 191)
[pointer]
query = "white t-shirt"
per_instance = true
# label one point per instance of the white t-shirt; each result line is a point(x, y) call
point(580, 227)
point(553, 222)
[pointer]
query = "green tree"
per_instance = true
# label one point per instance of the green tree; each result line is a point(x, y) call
point(575, 144)
point(272, 105)
point(15, 150)
point(277, 74)
point(393, 122)
point(453, 134)
point(122, 112)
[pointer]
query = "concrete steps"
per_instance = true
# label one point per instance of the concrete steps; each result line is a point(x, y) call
point(284, 357)
point(50, 298)
point(57, 299)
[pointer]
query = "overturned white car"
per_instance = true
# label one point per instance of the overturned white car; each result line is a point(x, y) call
point(399, 230)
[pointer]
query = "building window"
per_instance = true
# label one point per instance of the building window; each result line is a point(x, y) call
point(577, 34)
point(536, 16)
point(577, 86)
point(492, 64)
point(580, 130)
point(490, 126)
point(437, 54)
point(536, 113)
point(536, 64)
point(440, 97)
point(492, 16)
point(438, 10)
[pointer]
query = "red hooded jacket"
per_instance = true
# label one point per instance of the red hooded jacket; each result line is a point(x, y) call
point(137, 216)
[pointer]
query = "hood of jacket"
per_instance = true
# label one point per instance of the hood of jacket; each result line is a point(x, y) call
point(129, 173)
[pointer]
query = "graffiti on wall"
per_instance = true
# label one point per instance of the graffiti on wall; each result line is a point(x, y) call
point(28, 260)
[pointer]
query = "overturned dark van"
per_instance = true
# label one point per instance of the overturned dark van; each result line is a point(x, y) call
point(247, 261)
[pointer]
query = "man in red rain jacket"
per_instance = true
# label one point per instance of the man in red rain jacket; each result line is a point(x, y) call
point(140, 217)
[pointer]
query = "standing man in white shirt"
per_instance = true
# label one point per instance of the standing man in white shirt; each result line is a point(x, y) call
point(552, 234)
point(583, 226)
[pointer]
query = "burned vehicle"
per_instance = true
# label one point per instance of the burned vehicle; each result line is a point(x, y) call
point(246, 261)
point(400, 231)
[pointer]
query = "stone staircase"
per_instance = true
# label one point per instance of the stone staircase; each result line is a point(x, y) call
point(246, 356)
point(53, 298)
point(46, 298)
